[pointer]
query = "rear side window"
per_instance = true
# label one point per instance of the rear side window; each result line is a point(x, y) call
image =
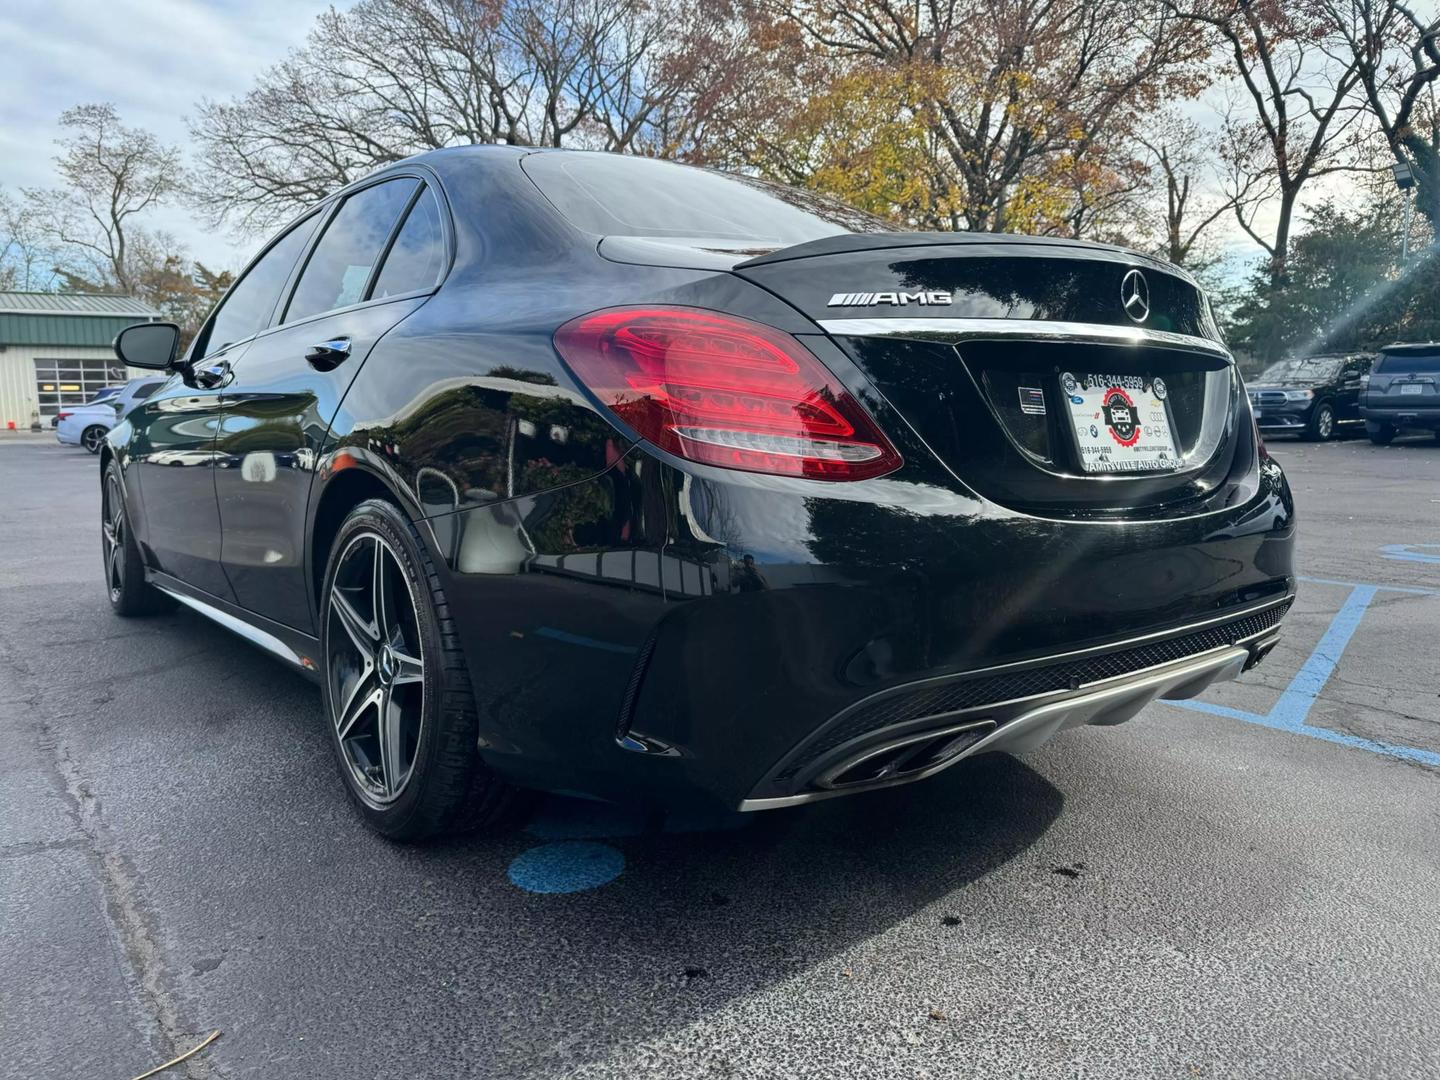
point(247, 310)
point(1425, 362)
point(339, 268)
point(418, 253)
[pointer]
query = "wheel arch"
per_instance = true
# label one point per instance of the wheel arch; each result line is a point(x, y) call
point(344, 489)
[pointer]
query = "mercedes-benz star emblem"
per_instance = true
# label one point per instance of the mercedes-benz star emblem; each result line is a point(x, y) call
point(1135, 295)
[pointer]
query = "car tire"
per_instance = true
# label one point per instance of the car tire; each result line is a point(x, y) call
point(1383, 435)
point(92, 438)
point(398, 701)
point(1321, 427)
point(130, 594)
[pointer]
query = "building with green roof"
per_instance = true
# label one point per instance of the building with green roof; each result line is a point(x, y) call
point(55, 350)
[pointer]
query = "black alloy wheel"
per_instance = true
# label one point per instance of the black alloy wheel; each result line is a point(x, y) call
point(125, 584)
point(92, 438)
point(376, 667)
point(397, 691)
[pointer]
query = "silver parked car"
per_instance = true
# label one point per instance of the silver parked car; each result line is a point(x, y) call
point(86, 425)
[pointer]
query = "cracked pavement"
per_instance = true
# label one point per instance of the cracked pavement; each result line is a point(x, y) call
point(1186, 895)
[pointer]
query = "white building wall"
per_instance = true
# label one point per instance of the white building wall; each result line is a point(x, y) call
point(18, 400)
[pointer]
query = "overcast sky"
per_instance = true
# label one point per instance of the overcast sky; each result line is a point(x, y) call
point(153, 58)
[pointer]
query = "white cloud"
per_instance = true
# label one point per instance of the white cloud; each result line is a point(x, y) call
point(154, 59)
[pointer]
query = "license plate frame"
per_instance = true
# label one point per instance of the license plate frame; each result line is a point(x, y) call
point(1121, 425)
point(1411, 388)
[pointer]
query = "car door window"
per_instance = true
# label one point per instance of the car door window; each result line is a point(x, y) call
point(339, 269)
point(247, 309)
point(418, 253)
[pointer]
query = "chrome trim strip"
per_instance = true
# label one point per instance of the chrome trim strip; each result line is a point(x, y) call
point(1036, 725)
point(1045, 329)
point(1075, 654)
point(253, 634)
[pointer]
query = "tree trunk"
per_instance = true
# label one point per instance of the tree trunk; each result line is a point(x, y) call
point(1425, 163)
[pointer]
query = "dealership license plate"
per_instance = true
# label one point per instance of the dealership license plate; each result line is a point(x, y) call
point(1121, 422)
point(1412, 388)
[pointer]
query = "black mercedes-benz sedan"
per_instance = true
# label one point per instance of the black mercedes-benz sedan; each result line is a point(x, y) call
point(608, 475)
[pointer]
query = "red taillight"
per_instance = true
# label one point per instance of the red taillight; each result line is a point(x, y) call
point(725, 391)
point(61, 416)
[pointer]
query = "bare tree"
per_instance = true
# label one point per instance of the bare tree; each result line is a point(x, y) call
point(390, 78)
point(1298, 127)
point(1181, 159)
point(26, 259)
point(1397, 56)
point(111, 174)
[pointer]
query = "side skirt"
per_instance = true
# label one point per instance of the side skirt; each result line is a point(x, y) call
point(295, 648)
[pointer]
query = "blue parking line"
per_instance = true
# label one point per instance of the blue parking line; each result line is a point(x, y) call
point(1291, 711)
point(1411, 552)
point(1294, 704)
point(1363, 584)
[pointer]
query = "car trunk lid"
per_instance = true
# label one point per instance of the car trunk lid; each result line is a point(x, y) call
point(1044, 374)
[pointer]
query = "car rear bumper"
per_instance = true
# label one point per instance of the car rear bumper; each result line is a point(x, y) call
point(1400, 416)
point(67, 437)
point(900, 753)
point(622, 646)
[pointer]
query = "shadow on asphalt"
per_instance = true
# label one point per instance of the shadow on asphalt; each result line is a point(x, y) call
point(703, 914)
point(699, 919)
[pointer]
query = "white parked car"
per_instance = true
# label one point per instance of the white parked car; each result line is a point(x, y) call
point(103, 394)
point(86, 425)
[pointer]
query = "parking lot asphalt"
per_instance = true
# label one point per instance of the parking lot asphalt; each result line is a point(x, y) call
point(1247, 888)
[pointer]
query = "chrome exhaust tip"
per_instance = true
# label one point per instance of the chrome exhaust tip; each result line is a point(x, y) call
point(909, 758)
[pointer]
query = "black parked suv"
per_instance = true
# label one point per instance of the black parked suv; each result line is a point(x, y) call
point(605, 474)
point(1314, 397)
point(1403, 391)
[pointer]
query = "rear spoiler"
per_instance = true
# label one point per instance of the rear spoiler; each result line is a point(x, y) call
point(996, 243)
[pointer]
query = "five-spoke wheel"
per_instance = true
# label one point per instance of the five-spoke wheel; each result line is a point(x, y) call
point(376, 667)
point(125, 584)
point(398, 696)
point(112, 534)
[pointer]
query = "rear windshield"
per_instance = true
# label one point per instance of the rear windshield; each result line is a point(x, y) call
point(616, 195)
point(1397, 363)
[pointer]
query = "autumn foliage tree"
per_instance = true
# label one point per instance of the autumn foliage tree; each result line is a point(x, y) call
point(1010, 114)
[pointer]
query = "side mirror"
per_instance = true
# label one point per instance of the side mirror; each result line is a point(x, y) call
point(149, 345)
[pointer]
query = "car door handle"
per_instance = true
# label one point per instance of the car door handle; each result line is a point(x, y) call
point(212, 376)
point(328, 354)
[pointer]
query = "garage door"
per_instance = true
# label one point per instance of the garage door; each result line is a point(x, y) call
point(62, 383)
